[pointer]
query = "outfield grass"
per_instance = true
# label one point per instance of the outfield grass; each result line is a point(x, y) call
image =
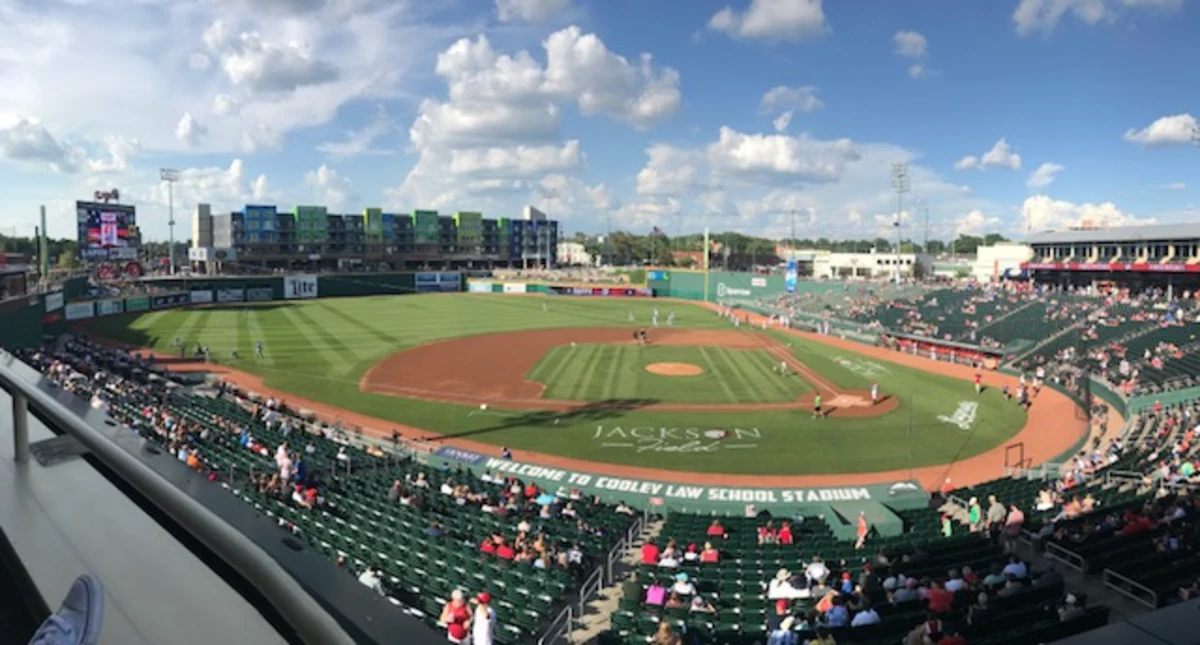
point(320, 350)
point(599, 372)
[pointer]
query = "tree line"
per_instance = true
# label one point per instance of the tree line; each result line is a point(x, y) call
point(736, 249)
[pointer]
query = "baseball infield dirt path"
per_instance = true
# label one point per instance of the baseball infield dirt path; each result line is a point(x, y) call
point(1052, 427)
point(491, 368)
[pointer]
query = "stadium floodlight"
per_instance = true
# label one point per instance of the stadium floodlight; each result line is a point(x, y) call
point(900, 185)
point(170, 176)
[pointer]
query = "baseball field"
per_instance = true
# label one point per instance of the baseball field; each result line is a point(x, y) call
point(564, 376)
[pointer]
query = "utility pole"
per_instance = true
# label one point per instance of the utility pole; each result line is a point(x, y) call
point(900, 185)
point(925, 244)
point(170, 176)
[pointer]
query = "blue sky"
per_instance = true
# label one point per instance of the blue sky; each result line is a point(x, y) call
point(1012, 115)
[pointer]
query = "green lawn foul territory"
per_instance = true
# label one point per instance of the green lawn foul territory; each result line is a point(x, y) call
point(320, 350)
point(592, 372)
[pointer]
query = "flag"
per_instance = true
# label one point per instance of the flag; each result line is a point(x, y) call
point(656, 231)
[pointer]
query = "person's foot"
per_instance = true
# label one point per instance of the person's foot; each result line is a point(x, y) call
point(78, 619)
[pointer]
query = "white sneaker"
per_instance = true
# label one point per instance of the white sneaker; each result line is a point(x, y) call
point(78, 619)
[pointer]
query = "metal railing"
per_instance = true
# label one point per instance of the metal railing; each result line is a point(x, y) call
point(590, 586)
point(1067, 558)
point(558, 628)
point(300, 610)
point(1130, 588)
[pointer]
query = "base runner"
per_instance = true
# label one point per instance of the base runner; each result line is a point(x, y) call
point(817, 407)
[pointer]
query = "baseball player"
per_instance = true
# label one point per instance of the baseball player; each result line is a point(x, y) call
point(817, 407)
point(207, 355)
point(631, 315)
point(545, 309)
point(874, 394)
point(783, 370)
point(233, 354)
point(258, 350)
point(979, 383)
point(654, 318)
point(670, 317)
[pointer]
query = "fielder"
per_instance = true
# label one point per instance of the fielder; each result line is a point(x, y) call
point(671, 318)
point(545, 309)
point(258, 350)
point(630, 315)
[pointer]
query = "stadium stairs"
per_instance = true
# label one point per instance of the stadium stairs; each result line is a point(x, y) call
point(596, 617)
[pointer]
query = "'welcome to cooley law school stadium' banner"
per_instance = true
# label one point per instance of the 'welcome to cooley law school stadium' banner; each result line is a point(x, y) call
point(640, 492)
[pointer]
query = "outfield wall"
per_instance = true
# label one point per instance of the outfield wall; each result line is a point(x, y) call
point(180, 292)
point(27, 320)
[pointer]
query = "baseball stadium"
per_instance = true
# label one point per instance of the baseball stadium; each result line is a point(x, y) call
point(590, 322)
point(771, 420)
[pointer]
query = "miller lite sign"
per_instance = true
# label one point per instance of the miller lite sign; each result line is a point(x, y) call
point(107, 196)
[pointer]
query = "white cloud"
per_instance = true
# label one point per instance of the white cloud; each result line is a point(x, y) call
point(519, 161)
point(499, 127)
point(1044, 15)
point(118, 153)
point(772, 20)
point(280, 65)
point(268, 67)
point(1178, 129)
point(189, 130)
point(1178, 185)
point(224, 188)
point(362, 141)
point(27, 140)
point(784, 97)
point(330, 187)
point(975, 223)
point(1000, 156)
point(1042, 213)
point(1044, 175)
point(782, 121)
point(916, 70)
point(798, 158)
point(910, 44)
point(529, 10)
point(669, 171)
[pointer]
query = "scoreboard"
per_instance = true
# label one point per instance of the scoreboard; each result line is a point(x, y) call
point(107, 231)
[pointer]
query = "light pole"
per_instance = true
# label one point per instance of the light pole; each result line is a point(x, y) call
point(547, 195)
point(900, 185)
point(170, 176)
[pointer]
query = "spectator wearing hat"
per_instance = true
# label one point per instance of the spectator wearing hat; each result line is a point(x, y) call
point(483, 624)
point(683, 585)
point(1071, 608)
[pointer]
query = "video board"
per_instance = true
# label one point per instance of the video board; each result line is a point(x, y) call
point(107, 231)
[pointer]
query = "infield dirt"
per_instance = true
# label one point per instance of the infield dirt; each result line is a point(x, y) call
point(491, 369)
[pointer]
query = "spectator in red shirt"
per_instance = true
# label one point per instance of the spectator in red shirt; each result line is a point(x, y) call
point(716, 530)
point(939, 598)
point(785, 534)
point(489, 546)
point(504, 551)
point(650, 553)
point(709, 554)
point(767, 534)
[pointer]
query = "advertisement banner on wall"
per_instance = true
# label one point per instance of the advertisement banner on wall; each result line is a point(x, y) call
point(612, 292)
point(137, 303)
point(514, 287)
point(449, 282)
point(479, 287)
point(54, 301)
point(170, 300)
point(201, 297)
point(259, 294)
point(300, 287)
point(110, 307)
point(80, 310)
point(231, 295)
point(789, 279)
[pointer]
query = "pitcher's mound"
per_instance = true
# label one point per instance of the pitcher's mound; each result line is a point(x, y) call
point(674, 369)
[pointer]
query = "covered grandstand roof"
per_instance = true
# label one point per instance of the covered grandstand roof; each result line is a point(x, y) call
point(1119, 234)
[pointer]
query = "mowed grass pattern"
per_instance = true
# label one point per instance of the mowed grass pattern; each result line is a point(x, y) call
point(604, 372)
point(320, 349)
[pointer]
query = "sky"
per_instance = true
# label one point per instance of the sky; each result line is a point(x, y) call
point(1011, 116)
